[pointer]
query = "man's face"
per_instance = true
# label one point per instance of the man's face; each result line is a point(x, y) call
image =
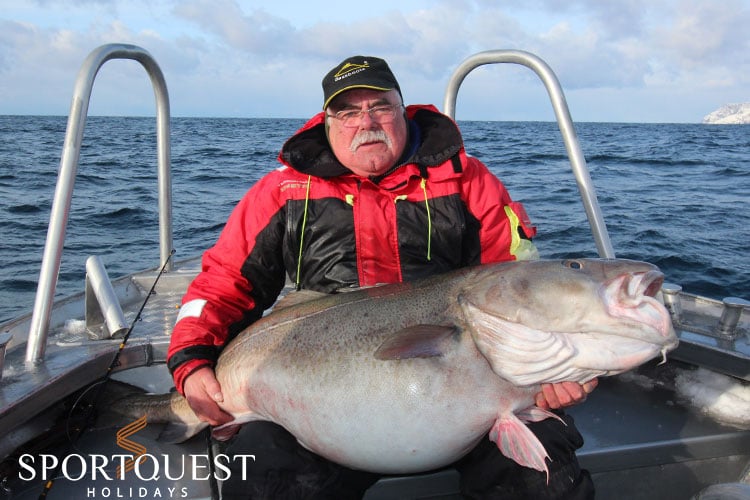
point(368, 147)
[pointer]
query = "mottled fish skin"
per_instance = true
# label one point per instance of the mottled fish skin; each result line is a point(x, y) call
point(409, 377)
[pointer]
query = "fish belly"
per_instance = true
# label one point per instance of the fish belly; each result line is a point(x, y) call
point(386, 416)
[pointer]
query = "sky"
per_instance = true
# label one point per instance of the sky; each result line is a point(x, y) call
point(664, 61)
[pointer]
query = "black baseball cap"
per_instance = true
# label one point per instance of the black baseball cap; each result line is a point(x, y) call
point(358, 72)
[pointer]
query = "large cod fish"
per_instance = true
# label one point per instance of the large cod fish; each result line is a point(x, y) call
point(409, 377)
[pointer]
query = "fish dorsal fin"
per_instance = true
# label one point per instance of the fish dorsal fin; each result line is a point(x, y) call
point(298, 297)
point(417, 341)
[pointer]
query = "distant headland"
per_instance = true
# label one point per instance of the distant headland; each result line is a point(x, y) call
point(734, 114)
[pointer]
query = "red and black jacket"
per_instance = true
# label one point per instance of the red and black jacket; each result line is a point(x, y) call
point(326, 228)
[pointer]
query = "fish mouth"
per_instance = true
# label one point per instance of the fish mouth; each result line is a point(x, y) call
point(632, 296)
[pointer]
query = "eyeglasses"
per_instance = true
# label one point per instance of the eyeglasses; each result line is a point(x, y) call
point(382, 114)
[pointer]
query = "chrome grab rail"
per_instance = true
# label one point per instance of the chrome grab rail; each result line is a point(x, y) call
point(39, 329)
point(564, 122)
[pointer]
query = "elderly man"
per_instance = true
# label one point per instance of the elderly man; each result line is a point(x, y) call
point(370, 192)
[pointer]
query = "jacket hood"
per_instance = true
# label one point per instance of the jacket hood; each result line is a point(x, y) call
point(309, 152)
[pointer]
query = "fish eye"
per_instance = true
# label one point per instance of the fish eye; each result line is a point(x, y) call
point(573, 264)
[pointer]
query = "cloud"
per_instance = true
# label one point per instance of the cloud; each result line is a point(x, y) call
point(257, 32)
point(40, 65)
point(216, 54)
point(706, 35)
point(266, 36)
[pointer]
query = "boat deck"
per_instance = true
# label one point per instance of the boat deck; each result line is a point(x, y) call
point(639, 434)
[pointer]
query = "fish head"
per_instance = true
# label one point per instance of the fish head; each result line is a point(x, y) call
point(549, 321)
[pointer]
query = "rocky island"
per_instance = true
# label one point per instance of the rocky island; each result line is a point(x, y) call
point(735, 114)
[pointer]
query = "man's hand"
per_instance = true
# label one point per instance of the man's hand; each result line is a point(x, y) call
point(562, 394)
point(203, 394)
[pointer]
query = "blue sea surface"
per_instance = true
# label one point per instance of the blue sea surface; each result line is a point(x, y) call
point(676, 195)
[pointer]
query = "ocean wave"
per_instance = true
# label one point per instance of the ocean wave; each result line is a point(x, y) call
point(24, 208)
point(676, 195)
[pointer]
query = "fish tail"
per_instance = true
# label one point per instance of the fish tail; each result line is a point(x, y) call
point(170, 408)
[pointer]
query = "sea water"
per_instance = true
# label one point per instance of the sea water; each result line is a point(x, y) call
point(676, 195)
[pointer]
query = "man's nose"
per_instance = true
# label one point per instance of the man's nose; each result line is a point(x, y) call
point(366, 121)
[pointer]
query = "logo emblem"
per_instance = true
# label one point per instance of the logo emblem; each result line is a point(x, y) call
point(136, 449)
point(350, 68)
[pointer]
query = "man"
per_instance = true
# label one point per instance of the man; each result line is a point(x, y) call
point(370, 192)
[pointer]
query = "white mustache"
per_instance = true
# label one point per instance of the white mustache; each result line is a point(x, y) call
point(369, 136)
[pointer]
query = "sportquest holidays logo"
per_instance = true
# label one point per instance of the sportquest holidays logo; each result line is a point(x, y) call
point(136, 474)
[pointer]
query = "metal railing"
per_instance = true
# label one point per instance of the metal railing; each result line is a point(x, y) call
point(40, 319)
point(560, 106)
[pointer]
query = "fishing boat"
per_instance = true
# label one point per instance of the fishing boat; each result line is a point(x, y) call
point(643, 439)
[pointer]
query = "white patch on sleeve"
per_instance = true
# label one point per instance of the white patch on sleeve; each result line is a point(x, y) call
point(192, 309)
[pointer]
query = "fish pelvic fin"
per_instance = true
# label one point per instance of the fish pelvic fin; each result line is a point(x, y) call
point(226, 431)
point(517, 442)
point(417, 341)
point(536, 414)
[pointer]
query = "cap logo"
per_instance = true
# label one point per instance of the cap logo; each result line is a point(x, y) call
point(358, 72)
point(350, 69)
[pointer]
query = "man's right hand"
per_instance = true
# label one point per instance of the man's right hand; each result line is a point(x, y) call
point(203, 394)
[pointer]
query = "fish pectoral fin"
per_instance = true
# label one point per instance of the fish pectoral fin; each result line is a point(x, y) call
point(417, 341)
point(518, 353)
point(517, 442)
point(177, 432)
